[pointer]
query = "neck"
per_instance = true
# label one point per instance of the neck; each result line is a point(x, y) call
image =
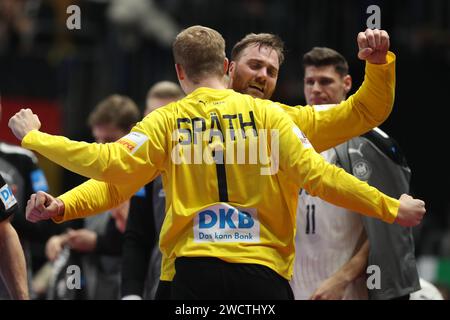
point(213, 83)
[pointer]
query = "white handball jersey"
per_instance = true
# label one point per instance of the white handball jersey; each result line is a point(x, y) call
point(327, 237)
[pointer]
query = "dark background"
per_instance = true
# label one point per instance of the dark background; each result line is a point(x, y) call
point(66, 72)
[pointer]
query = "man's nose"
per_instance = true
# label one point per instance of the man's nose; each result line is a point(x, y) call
point(316, 87)
point(261, 74)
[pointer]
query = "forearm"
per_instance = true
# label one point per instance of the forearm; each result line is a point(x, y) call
point(12, 263)
point(93, 197)
point(302, 164)
point(334, 185)
point(109, 162)
point(356, 266)
point(375, 97)
point(334, 288)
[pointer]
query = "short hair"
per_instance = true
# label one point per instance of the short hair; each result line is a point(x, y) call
point(322, 56)
point(268, 40)
point(118, 110)
point(165, 90)
point(201, 52)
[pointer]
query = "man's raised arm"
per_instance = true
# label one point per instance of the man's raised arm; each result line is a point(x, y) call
point(364, 110)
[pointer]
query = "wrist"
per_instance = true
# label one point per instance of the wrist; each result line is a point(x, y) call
point(350, 272)
point(23, 139)
point(61, 208)
point(379, 60)
point(354, 270)
point(343, 278)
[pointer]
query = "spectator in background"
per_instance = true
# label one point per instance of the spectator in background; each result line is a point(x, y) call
point(100, 241)
point(162, 93)
point(16, 26)
point(135, 18)
point(141, 254)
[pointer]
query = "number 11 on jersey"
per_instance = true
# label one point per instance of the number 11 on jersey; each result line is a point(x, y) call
point(310, 219)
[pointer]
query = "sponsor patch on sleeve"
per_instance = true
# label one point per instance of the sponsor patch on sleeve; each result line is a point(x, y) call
point(7, 197)
point(302, 137)
point(133, 141)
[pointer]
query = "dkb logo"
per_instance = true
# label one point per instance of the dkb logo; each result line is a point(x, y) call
point(208, 219)
point(225, 223)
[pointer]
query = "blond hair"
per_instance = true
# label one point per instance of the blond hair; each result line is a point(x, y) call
point(165, 90)
point(201, 52)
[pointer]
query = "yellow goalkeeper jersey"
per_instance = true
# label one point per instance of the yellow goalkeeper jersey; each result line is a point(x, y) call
point(232, 167)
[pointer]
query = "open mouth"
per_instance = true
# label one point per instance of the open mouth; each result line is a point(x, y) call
point(260, 89)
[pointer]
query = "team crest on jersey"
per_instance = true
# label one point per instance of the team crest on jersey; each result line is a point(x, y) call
point(133, 141)
point(362, 170)
point(225, 223)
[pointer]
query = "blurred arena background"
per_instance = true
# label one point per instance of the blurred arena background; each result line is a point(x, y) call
point(124, 46)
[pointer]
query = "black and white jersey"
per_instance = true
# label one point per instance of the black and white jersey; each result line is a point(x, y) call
point(327, 237)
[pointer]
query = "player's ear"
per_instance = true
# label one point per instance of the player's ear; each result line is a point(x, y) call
point(180, 71)
point(347, 83)
point(231, 68)
point(225, 65)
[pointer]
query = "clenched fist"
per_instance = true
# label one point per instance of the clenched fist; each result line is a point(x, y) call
point(373, 46)
point(43, 206)
point(410, 212)
point(23, 122)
